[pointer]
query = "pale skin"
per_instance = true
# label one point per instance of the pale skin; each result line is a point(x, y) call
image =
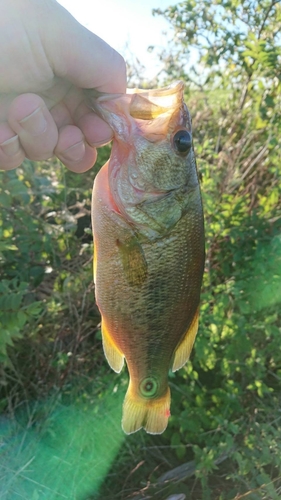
point(46, 59)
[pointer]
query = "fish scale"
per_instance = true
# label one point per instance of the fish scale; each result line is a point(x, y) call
point(149, 246)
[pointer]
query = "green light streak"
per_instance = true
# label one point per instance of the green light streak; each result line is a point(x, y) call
point(66, 457)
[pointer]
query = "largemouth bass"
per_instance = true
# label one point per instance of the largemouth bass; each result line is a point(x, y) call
point(148, 246)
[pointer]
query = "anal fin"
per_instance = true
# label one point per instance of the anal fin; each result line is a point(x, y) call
point(114, 356)
point(184, 349)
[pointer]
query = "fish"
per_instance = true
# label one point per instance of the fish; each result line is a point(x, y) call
point(148, 230)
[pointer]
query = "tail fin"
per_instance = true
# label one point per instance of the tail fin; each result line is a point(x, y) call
point(151, 414)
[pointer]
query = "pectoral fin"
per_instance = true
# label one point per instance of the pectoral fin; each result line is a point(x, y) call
point(113, 355)
point(185, 347)
point(133, 260)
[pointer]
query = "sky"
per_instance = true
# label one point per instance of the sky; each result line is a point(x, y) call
point(126, 22)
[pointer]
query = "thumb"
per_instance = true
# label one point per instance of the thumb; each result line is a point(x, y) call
point(76, 54)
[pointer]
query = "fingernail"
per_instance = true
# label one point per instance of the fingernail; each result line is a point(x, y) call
point(75, 152)
point(35, 123)
point(11, 146)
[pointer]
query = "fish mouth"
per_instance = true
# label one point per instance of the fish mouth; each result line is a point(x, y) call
point(164, 94)
point(141, 106)
point(150, 104)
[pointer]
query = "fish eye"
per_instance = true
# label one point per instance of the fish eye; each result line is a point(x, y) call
point(148, 387)
point(182, 141)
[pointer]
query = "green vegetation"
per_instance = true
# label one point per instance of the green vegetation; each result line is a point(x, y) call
point(226, 420)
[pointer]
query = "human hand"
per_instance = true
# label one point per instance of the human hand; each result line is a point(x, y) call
point(46, 59)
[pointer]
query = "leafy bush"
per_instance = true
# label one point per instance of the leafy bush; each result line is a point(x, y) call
point(13, 313)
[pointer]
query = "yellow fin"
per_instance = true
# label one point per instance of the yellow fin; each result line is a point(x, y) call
point(133, 260)
point(143, 109)
point(114, 357)
point(151, 414)
point(185, 347)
